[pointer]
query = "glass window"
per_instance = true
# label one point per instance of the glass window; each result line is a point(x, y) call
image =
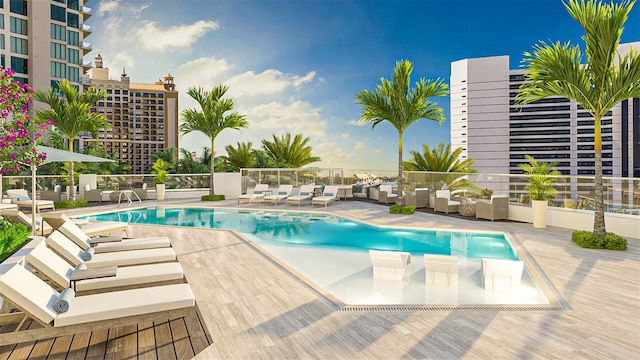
point(73, 74)
point(18, 7)
point(58, 70)
point(58, 32)
point(1, 4)
point(21, 79)
point(73, 38)
point(58, 13)
point(58, 51)
point(73, 4)
point(2, 43)
point(19, 65)
point(1, 20)
point(19, 46)
point(60, 1)
point(73, 56)
point(73, 20)
point(18, 26)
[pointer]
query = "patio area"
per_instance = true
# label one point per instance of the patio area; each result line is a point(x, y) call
point(252, 307)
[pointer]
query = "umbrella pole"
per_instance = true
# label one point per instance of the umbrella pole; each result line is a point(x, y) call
point(34, 227)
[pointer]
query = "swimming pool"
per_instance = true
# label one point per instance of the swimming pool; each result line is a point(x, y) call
point(324, 231)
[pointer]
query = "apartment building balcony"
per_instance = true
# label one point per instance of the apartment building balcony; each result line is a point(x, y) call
point(86, 13)
point(86, 48)
point(86, 29)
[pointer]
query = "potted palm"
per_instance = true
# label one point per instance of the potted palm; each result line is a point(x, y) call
point(540, 178)
point(160, 170)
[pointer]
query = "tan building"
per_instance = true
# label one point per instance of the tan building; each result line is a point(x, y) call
point(44, 41)
point(143, 117)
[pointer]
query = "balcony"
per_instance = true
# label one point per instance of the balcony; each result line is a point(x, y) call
point(86, 48)
point(86, 13)
point(86, 29)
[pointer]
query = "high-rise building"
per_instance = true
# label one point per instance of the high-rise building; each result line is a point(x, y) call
point(143, 117)
point(497, 134)
point(43, 41)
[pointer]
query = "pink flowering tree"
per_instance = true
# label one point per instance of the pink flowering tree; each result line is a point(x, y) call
point(19, 134)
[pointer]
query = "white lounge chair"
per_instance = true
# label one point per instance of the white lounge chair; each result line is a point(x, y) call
point(73, 254)
point(57, 219)
point(282, 194)
point(4, 206)
point(58, 271)
point(329, 194)
point(18, 217)
point(306, 193)
point(501, 275)
point(441, 270)
point(21, 198)
point(390, 265)
point(80, 238)
point(37, 300)
point(257, 194)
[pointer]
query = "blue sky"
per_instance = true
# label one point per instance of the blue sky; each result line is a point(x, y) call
point(295, 66)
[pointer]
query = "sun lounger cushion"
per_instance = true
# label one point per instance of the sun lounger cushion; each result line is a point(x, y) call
point(64, 300)
point(135, 275)
point(77, 235)
point(32, 294)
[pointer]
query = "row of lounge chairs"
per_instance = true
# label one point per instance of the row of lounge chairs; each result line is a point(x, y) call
point(71, 282)
point(262, 194)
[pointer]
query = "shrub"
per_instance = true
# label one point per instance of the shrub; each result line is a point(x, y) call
point(69, 204)
point(589, 240)
point(397, 209)
point(212, 197)
point(12, 237)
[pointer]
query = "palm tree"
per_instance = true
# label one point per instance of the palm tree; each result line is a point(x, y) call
point(212, 120)
point(288, 153)
point(242, 156)
point(439, 159)
point(70, 113)
point(396, 102)
point(604, 81)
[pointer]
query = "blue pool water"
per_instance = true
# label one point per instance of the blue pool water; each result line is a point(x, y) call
point(322, 230)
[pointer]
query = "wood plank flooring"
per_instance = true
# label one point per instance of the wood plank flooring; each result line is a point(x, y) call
point(253, 309)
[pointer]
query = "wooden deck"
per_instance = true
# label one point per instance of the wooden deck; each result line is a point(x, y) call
point(253, 309)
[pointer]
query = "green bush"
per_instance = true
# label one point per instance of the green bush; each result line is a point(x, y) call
point(69, 204)
point(397, 209)
point(212, 197)
point(589, 240)
point(12, 237)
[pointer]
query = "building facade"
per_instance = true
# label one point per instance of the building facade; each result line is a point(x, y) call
point(43, 41)
point(143, 117)
point(497, 134)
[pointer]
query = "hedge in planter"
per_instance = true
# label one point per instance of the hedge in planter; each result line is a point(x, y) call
point(589, 240)
point(12, 237)
point(212, 197)
point(69, 204)
point(406, 210)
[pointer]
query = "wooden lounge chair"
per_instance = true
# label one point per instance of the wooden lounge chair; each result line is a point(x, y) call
point(57, 219)
point(36, 300)
point(21, 198)
point(18, 217)
point(110, 244)
point(329, 194)
point(501, 274)
point(257, 194)
point(441, 270)
point(306, 193)
point(390, 265)
point(59, 272)
point(71, 252)
point(282, 194)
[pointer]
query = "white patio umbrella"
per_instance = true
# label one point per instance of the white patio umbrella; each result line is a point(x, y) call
point(56, 155)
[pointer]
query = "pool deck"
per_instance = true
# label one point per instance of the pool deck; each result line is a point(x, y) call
point(253, 309)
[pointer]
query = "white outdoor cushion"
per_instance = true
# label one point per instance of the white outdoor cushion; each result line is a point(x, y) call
point(30, 293)
point(501, 274)
point(134, 244)
point(133, 275)
point(51, 265)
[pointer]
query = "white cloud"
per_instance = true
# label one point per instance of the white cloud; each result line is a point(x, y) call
point(106, 7)
point(204, 71)
point(268, 82)
point(296, 117)
point(358, 146)
point(355, 123)
point(154, 38)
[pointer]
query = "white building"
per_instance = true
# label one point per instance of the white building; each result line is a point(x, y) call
point(491, 130)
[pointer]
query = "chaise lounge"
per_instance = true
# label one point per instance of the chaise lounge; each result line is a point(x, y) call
point(329, 194)
point(257, 194)
point(441, 270)
point(57, 219)
point(306, 193)
point(389, 265)
point(282, 194)
point(501, 275)
point(21, 198)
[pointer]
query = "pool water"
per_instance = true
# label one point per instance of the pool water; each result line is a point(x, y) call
point(324, 231)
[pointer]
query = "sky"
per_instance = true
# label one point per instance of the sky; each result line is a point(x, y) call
point(296, 65)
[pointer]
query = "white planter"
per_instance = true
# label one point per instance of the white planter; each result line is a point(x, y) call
point(160, 191)
point(539, 213)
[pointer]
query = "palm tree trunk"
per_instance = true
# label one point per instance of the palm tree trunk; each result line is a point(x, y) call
point(400, 195)
point(72, 185)
point(599, 227)
point(212, 168)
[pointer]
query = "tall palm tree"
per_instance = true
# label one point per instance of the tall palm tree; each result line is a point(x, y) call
point(212, 120)
point(288, 153)
point(439, 159)
point(241, 156)
point(396, 102)
point(604, 81)
point(70, 113)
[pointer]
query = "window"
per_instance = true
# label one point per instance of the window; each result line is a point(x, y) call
point(73, 38)
point(73, 4)
point(1, 19)
point(18, 45)
point(73, 20)
point(58, 32)
point(73, 74)
point(58, 13)
point(18, 7)
point(19, 65)
point(58, 70)
point(18, 26)
point(58, 51)
point(73, 56)
point(2, 43)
